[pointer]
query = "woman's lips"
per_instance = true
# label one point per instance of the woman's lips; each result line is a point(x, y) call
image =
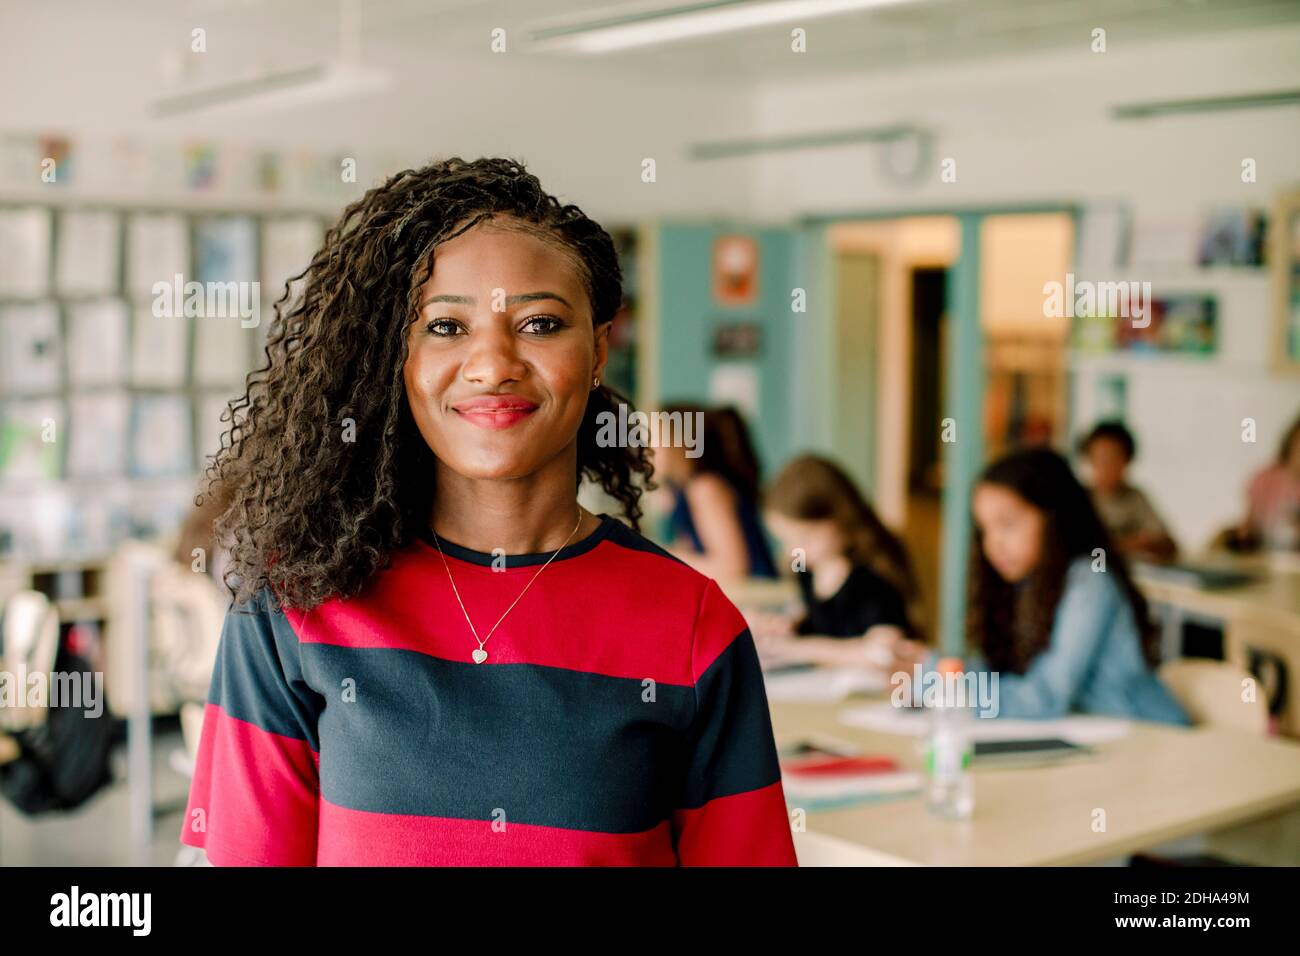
point(495, 412)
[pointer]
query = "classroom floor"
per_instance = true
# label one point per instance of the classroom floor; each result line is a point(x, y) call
point(98, 832)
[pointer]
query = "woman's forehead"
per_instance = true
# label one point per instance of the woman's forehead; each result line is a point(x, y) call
point(495, 254)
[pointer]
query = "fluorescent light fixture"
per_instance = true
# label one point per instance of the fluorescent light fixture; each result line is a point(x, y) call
point(1210, 104)
point(686, 22)
point(276, 90)
point(734, 148)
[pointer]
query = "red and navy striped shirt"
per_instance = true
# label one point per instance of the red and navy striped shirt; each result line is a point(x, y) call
point(620, 719)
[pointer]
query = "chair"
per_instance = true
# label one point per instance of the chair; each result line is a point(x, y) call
point(1213, 694)
point(29, 643)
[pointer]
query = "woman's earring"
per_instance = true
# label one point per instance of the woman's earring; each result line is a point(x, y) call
point(595, 382)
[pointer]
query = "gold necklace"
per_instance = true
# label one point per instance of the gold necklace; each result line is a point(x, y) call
point(480, 655)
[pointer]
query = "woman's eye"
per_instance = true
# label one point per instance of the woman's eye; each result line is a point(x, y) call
point(543, 324)
point(441, 327)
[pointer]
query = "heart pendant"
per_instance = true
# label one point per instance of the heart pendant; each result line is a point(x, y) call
point(479, 655)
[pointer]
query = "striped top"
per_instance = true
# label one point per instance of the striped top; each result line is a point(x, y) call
point(620, 719)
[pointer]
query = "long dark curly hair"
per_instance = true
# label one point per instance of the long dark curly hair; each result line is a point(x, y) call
point(1012, 623)
point(325, 470)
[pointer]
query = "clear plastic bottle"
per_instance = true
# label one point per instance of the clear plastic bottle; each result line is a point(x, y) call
point(950, 790)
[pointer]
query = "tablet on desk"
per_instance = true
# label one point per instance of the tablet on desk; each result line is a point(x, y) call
point(1023, 752)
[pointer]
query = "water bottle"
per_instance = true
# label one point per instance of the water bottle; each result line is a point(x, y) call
point(950, 790)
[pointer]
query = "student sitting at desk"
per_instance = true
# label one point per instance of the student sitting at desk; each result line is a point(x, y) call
point(1133, 524)
point(1273, 498)
point(714, 525)
point(1063, 634)
point(854, 578)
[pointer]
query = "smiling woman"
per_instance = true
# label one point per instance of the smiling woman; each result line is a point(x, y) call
point(403, 473)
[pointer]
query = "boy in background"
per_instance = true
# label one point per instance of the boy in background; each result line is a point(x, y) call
point(1133, 524)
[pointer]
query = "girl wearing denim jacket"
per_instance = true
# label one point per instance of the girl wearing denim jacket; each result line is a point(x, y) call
point(1051, 607)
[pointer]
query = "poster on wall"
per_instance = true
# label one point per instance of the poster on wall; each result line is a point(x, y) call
point(1184, 324)
point(735, 270)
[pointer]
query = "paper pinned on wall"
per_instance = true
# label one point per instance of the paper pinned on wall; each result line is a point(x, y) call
point(735, 383)
point(97, 434)
point(88, 258)
point(30, 433)
point(24, 252)
point(226, 249)
point(221, 349)
point(97, 342)
point(31, 348)
point(158, 349)
point(287, 248)
point(158, 250)
point(160, 436)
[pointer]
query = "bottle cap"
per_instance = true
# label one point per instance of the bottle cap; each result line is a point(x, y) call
point(949, 665)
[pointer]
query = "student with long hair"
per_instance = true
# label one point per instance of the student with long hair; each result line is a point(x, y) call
point(1052, 608)
point(436, 656)
point(1273, 499)
point(714, 525)
point(855, 578)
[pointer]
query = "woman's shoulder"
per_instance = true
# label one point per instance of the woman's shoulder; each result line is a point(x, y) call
point(650, 557)
point(1088, 575)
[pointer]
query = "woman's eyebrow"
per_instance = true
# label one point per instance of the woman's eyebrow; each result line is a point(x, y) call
point(510, 299)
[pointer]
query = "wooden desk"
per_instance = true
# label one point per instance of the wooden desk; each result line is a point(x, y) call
point(1264, 614)
point(1155, 785)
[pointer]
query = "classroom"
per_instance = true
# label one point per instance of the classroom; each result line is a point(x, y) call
point(817, 434)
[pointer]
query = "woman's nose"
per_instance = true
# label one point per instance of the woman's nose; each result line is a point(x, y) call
point(494, 357)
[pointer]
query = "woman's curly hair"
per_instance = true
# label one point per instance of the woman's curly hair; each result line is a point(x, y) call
point(325, 471)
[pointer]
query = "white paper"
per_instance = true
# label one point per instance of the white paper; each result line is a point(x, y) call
point(97, 435)
point(160, 436)
point(89, 253)
point(824, 683)
point(158, 249)
point(735, 383)
point(1078, 729)
point(24, 252)
point(221, 350)
point(287, 248)
point(97, 342)
point(159, 349)
point(31, 348)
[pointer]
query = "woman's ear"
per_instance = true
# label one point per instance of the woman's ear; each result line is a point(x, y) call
point(602, 349)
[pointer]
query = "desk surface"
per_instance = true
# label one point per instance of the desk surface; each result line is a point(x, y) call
point(1156, 784)
point(1272, 599)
